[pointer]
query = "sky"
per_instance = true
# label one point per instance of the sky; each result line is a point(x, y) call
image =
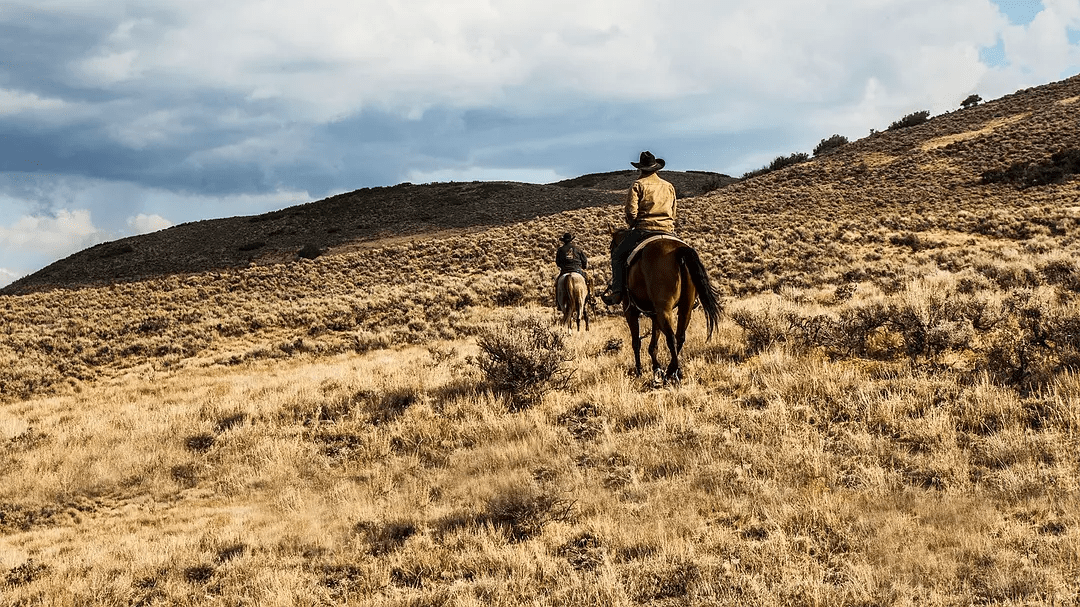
point(121, 117)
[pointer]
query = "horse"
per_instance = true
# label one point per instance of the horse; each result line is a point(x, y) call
point(571, 294)
point(663, 283)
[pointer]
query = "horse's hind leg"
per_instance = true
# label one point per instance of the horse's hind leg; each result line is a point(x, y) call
point(664, 325)
point(674, 370)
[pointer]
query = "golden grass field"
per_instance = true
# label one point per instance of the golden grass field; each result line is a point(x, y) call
point(889, 413)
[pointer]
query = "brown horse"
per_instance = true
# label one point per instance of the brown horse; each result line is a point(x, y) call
point(571, 294)
point(663, 283)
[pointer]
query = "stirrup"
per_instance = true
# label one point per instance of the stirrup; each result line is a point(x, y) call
point(611, 297)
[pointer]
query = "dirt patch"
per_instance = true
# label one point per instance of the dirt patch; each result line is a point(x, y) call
point(877, 159)
point(997, 123)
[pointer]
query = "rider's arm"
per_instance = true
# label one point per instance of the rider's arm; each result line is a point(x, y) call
point(632, 198)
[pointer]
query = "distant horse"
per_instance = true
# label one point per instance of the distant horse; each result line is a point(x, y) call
point(663, 283)
point(571, 293)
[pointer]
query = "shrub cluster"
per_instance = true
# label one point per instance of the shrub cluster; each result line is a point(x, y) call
point(780, 162)
point(912, 119)
point(523, 361)
point(827, 145)
point(1060, 166)
point(1022, 339)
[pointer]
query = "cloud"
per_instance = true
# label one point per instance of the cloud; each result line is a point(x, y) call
point(47, 237)
point(43, 219)
point(17, 102)
point(7, 277)
point(143, 223)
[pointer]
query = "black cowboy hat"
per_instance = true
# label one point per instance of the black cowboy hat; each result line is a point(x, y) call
point(648, 162)
point(567, 237)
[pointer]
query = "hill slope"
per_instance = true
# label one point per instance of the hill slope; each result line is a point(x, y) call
point(360, 218)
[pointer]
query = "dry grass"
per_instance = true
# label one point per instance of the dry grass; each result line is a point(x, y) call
point(940, 142)
point(888, 414)
point(397, 478)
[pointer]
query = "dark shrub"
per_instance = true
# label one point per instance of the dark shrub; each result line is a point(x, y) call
point(971, 101)
point(509, 295)
point(309, 251)
point(912, 119)
point(524, 361)
point(762, 329)
point(117, 250)
point(1060, 166)
point(25, 573)
point(522, 511)
point(780, 162)
point(830, 144)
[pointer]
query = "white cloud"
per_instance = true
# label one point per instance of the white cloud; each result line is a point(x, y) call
point(330, 58)
point(14, 102)
point(7, 277)
point(109, 68)
point(33, 238)
point(44, 220)
point(143, 223)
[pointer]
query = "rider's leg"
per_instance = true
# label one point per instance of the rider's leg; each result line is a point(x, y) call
point(618, 268)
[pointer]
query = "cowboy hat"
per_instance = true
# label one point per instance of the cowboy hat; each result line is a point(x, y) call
point(567, 237)
point(648, 162)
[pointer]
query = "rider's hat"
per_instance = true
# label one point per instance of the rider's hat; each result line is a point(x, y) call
point(648, 162)
point(567, 237)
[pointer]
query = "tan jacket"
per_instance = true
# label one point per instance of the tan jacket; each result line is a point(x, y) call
point(650, 205)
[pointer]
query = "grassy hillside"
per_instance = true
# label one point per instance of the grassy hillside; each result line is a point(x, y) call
point(367, 218)
point(889, 413)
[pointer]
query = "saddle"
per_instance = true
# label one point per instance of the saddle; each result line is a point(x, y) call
point(641, 245)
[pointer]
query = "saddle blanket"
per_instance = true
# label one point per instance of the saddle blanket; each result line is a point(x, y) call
point(641, 245)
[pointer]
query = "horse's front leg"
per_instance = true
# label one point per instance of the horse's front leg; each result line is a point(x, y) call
point(633, 323)
point(654, 347)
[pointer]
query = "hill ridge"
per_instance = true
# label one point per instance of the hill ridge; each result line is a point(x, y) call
point(358, 219)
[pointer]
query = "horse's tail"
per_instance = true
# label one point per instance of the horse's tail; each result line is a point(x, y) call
point(689, 259)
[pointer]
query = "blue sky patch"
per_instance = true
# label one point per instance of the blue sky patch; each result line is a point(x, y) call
point(1020, 12)
point(993, 56)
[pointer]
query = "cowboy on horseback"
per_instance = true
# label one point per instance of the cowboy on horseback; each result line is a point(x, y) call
point(650, 210)
point(571, 297)
point(569, 258)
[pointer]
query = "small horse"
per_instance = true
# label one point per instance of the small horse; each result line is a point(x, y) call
point(663, 283)
point(571, 294)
